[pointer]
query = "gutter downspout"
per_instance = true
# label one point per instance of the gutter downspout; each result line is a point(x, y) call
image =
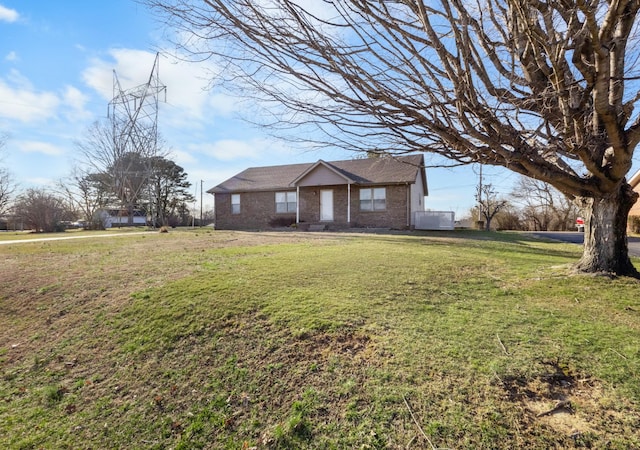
point(408, 205)
point(297, 205)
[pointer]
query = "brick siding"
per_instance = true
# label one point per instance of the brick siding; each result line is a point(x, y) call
point(257, 209)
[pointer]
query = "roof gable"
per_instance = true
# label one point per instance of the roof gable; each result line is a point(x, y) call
point(321, 173)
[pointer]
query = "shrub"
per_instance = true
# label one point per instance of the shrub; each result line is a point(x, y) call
point(59, 227)
point(276, 222)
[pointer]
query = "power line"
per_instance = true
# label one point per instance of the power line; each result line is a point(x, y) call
point(134, 122)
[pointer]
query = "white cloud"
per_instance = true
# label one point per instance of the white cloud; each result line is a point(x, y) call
point(99, 76)
point(19, 80)
point(230, 149)
point(11, 56)
point(23, 102)
point(40, 181)
point(75, 100)
point(317, 9)
point(182, 158)
point(8, 15)
point(39, 147)
point(223, 104)
point(258, 151)
point(212, 177)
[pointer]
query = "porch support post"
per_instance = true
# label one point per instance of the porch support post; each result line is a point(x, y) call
point(348, 202)
point(297, 204)
point(408, 205)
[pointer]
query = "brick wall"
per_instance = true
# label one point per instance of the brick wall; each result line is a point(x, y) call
point(257, 209)
point(257, 212)
point(395, 216)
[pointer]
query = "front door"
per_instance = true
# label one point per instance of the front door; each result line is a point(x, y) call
point(326, 205)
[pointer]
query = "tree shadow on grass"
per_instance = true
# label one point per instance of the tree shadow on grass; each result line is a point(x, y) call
point(470, 238)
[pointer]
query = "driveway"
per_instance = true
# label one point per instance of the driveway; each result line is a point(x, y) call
point(63, 238)
point(573, 237)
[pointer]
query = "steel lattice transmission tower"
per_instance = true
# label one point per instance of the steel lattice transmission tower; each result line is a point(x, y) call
point(134, 121)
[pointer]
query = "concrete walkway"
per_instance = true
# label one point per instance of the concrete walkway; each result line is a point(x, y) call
point(63, 238)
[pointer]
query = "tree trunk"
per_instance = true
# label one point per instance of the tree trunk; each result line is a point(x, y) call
point(605, 233)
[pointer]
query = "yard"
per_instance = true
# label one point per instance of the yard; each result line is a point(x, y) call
point(212, 339)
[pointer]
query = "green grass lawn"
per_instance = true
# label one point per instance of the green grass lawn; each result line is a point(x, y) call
point(210, 339)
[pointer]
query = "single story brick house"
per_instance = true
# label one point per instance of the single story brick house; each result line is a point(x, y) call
point(371, 192)
point(120, 218)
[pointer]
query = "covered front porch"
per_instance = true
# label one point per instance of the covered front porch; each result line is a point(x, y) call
point(324, 195)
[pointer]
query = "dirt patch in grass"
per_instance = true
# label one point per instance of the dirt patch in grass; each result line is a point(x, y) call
point(570, 404)
point(345, 343)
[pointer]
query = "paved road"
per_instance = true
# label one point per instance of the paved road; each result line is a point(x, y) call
point(578, 238)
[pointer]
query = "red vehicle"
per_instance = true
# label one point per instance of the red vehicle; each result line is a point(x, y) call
point(580, 224)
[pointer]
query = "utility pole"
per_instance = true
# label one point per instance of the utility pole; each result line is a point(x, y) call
point(193, 215)
point(201, 182)
point(480, 195)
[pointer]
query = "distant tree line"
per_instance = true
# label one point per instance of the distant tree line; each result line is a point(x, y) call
point(532, 205)
point(7, 184)
point(102, 184)
point(155, 187)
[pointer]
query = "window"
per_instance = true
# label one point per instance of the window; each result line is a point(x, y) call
point(235, 203)
point(286, 202)
point(373, 199)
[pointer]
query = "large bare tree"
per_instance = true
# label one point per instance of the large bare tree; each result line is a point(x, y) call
point(111, 163)
point(489, 204)
point(88, 193)
point(547, 89)
point(41, 211)
point(7, 188)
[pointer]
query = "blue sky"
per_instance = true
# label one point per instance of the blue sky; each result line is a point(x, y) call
point(56, 79)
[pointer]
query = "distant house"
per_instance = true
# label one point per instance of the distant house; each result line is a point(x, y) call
point(372, 192)
point(120, 218)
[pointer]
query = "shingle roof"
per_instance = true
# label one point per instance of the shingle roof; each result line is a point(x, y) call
point(402, 169)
